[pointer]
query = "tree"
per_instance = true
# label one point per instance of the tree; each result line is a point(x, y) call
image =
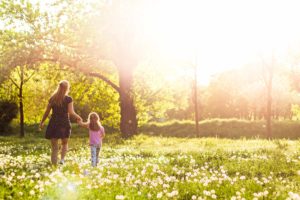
point(19, 47)
point(119, 28)
point(267, 76)
point(69, 37)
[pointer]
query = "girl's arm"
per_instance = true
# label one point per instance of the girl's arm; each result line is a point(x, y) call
point(103, 132)
point(82, 124)
point(47, 111)
point(72, 112)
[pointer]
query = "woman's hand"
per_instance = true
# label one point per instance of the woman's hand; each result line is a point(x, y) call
point(47, 111)
point(41, 126)
point(79, 120)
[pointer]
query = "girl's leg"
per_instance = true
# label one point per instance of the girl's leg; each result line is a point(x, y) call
point(54, 150)
point(97, 154)
point(64, 143)
point(94, 155)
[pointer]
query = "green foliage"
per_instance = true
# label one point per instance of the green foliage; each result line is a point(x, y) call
point(295, 111)
point(157, 97)
point(89, 94)
point(231, 128)
point(8, 111)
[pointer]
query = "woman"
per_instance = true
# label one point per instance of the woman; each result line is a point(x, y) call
point(59, 126)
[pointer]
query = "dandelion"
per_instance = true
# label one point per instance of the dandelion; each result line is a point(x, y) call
point(159, 195)
point(37, 175)
point(32, 192)
point(143, 172)
point(194, 197)
point(89, 186)
point(294, 196)
point(120, 197)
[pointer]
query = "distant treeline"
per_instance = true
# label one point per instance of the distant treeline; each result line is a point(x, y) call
point(229, 128)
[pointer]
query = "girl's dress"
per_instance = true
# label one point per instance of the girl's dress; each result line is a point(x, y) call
point(96, 144)
point(59, 125)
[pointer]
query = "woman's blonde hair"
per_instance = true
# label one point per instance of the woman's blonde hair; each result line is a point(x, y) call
point(94, 125)
point(60, 92)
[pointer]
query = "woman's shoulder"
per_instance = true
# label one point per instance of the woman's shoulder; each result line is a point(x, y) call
point(68, 99)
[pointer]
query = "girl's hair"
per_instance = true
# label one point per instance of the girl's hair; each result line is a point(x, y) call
point(60, 92)
point(94, 124)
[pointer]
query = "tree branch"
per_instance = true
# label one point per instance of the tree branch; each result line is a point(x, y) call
point(73, 64)
point(109, 82)
point(14, 82)
point(29, 77)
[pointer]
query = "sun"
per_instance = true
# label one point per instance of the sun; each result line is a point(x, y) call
point(221, 34)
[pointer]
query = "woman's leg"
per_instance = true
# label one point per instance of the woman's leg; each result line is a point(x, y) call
point(54, 150)
point(64, 149)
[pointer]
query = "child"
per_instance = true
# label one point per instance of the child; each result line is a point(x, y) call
point(96, 134)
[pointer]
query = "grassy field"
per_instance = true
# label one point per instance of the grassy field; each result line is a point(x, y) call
point(152, 168)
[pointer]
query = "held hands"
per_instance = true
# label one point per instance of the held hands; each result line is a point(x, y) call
point(79, 120)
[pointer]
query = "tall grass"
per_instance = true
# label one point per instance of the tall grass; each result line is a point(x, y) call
point(224, 128)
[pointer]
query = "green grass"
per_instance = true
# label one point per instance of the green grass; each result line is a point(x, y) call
point(147, 167)
point(224, 128)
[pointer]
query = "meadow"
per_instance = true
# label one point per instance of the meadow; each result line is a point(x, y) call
point(152, 167)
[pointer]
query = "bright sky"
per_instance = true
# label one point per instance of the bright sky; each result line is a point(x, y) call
point(226, 34)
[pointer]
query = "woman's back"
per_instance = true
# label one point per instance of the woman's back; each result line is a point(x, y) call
point(60, 112)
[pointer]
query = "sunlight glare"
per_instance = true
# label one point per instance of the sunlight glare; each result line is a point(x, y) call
point(226, 34)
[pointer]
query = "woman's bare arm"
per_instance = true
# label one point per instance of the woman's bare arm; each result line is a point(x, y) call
point(47, 111)
point(72, 112)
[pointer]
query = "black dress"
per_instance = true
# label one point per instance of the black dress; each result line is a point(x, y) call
point(59, 125)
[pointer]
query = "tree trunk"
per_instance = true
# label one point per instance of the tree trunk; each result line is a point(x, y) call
point(22, 133)
point(196, 100)
point(128, 124)
point(269, 108)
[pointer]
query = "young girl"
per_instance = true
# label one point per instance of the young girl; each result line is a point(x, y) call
point(96, 134)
